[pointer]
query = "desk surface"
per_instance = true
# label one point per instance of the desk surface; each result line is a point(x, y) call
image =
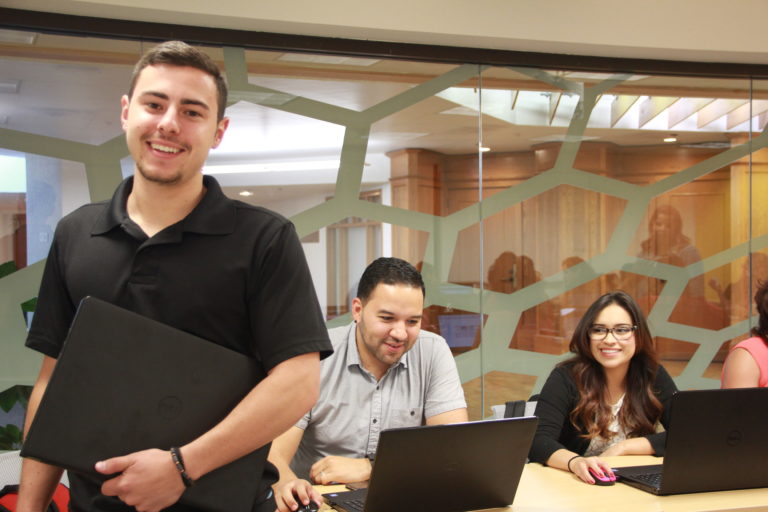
point(544, 489)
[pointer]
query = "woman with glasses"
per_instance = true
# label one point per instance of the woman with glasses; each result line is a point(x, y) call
point(747, 363)
point(609, 398)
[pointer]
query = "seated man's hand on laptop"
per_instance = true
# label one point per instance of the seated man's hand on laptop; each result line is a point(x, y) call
point(148, 480)
point(294, 493)
point(343, 470)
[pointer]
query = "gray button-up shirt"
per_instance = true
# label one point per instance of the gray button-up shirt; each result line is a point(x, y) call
point(353, 408)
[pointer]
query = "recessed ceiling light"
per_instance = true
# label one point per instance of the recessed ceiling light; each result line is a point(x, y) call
point(17, 36)
point(246, 193)
point(671, 138)
point(484, 149)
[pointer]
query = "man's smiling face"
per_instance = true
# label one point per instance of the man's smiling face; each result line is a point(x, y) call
point(388, 325)
point(170, 122)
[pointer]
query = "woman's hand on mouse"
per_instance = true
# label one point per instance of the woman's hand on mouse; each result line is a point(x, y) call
point(580, 466)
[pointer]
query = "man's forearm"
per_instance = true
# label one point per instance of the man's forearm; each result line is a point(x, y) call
point(285, 472)
point(38, 483)
point(273, 406)
point(445, 418)
point(281, 453)
point(38, 480)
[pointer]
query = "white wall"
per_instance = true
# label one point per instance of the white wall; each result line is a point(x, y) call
point(316, 253)
point(703, 30)
point(74, 186)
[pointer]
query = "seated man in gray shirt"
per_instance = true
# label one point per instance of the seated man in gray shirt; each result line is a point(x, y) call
point(385, 372)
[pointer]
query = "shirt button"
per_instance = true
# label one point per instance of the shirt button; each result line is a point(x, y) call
point(375, 420)
point(413, 413)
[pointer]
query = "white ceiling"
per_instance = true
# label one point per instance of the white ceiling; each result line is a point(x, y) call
point(692, 30)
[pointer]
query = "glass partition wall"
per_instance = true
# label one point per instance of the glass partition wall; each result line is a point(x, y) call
point(522, 194)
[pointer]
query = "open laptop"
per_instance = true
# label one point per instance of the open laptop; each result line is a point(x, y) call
point(125, 383)
point(716, 442)
point(464, 466)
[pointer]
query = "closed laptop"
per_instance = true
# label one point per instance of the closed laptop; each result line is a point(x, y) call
point(125, 383)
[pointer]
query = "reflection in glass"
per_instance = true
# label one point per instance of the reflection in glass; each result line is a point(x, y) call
point(404, 137)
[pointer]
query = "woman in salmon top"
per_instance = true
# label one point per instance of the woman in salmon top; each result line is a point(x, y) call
point(747, 364)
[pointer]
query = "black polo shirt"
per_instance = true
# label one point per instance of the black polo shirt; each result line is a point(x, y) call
point(229, 272)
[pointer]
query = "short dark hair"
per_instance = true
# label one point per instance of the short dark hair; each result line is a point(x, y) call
point(388, 271)
point(179, 53)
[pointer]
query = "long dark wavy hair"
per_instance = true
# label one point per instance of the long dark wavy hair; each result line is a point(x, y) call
point(641, 410)
point(761, 301)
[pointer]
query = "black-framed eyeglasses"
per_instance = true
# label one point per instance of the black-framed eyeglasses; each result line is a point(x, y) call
point(620, 332)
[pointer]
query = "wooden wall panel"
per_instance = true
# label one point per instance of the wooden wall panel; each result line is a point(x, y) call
point(565, 225)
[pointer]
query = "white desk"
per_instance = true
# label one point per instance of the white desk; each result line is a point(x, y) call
point(544, 489)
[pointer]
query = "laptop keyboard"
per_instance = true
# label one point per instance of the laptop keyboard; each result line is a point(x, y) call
point(354, 505)
point(653, 479)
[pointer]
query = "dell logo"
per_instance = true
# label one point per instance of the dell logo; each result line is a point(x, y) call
point(733, 438)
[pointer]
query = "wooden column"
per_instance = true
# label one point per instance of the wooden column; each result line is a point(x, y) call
point(416, 178)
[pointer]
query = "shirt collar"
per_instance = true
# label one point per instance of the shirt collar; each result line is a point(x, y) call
point(213, 215)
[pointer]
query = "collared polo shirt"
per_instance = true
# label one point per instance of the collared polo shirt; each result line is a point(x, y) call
point(353, 408)
point(229, 272)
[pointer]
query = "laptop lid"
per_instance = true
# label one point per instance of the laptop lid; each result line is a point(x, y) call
point(715, 442)
point(458, 467)
point(125, 383)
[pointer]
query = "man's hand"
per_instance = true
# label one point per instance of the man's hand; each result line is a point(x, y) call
point(340, 469)
point(294, 492)
point(148, 480)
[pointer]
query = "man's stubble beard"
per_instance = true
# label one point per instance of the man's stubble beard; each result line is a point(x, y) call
point(157, 179)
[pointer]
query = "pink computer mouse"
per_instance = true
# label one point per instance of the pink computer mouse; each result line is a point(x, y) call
point(602, 480)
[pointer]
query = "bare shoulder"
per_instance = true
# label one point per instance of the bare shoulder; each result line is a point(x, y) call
point(740, 370)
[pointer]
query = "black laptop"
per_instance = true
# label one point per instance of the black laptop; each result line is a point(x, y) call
point(125, 383)
point(716, 442)
point(459, 467)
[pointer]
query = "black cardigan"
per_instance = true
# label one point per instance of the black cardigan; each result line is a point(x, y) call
point(559, 397)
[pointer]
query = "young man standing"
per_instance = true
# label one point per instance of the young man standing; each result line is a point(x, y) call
point(385, 373)
point(171, 246)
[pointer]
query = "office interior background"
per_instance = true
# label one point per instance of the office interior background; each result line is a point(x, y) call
point(523, 181)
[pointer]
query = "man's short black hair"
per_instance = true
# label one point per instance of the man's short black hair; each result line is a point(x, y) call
point(388, 271)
